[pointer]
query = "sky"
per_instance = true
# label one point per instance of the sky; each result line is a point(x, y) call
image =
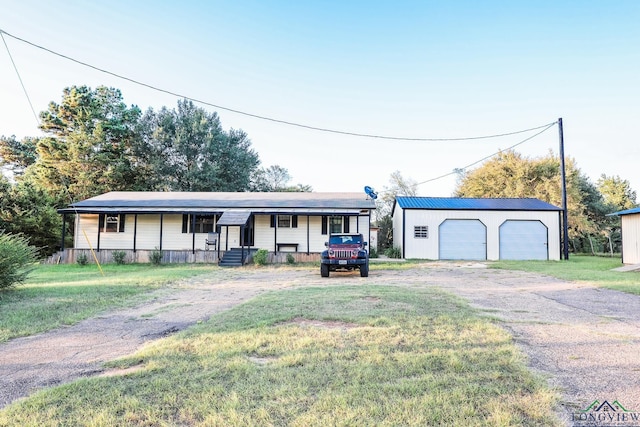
point(404, 69)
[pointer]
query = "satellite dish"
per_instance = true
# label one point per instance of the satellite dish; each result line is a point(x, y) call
point(370, 192)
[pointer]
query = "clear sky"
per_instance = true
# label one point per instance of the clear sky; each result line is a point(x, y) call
point(415, 69)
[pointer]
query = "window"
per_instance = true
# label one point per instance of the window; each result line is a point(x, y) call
point(335, 224)
point(421, 232)
point(284, 221)
point(111, 223)
point(203, 223)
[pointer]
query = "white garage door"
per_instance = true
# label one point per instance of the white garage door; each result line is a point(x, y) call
point(463, 239)
point(524, 240)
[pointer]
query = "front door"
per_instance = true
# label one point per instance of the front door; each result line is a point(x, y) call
point(248, 234)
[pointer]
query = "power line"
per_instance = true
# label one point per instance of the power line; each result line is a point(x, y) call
point(19, 78)
point(489, 156)
point(271, 119)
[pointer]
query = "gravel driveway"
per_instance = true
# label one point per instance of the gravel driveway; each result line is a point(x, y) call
point(584, 340)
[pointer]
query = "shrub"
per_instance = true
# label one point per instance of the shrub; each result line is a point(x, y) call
point(393, 252)
point(119, 257)
point(291, 259)
point(373, 253)
point(16, 259)
point(82, 259)
point(260, 257)
point(156, 257)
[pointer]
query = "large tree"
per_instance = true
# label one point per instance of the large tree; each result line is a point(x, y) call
point(89, 148)
point(16, 156)
point(617, 192)
point(275, 178)
point(186, 149)
point(26, 208)
point(510, 174)
point(398, 186)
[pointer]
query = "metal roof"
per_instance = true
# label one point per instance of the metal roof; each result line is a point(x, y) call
point(132, 201)
point(234, 218)
point(482, 204)
point(626, 212)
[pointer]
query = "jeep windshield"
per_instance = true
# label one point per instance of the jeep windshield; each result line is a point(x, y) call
point(345, 240)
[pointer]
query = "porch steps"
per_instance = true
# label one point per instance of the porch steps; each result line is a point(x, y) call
point(233, 257)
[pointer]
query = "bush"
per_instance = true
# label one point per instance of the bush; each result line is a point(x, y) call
point(119, 257)
point(291, 259)
point(156, 257)
point(260, 257)
point(373, 253)
point(16, 259)
point(82, 259)
point(393, 252)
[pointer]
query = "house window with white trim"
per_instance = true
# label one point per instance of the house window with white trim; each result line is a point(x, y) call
point(111, 223)
point(335, 224)
point(284, 221)
point(202, 224)
point(421, 231)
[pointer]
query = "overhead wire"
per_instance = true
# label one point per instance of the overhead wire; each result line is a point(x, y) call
point(24, 89)
point(271, 119)
point(490, 156)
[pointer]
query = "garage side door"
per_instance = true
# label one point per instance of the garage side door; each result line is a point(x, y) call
point(524, 240)
point(464, 239)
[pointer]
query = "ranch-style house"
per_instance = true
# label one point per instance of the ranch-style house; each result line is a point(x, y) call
point(214, 226)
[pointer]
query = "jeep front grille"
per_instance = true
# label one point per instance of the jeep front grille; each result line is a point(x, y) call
point(340, 253)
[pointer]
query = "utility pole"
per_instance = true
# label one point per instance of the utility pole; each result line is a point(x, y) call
point(565, 214)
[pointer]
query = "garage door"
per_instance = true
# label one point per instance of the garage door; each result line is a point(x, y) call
point(523, 240)
point(463, 239)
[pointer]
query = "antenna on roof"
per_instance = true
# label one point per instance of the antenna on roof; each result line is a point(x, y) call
point(370, 192)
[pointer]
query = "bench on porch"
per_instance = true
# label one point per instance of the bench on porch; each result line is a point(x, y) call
point(279, 246)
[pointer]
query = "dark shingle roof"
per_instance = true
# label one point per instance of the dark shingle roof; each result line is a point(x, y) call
point(456, 203)
point(132, 201)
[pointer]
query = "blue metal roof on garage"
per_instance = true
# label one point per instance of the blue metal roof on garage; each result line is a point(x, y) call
point(482, 204)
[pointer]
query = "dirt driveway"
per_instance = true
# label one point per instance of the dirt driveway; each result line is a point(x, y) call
point(585, 340)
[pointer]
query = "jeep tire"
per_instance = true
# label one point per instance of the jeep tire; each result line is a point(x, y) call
point(364, 270)
point(324, 270)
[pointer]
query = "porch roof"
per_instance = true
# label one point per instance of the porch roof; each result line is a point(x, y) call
point(194, 202)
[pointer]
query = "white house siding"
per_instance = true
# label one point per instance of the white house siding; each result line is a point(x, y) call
point(631, 238)
point(265, 235)
point(427, 248)
point(148, 233)
point(398, 225)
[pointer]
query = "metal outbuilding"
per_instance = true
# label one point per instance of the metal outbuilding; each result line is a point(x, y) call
point(451, 228)
point(630, 230)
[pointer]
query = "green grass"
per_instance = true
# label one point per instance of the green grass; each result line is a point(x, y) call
point(59, 295)
point(587, 269)
point(339, 355)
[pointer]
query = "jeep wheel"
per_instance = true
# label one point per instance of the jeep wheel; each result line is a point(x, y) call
point(324, 270)
point(364, 270)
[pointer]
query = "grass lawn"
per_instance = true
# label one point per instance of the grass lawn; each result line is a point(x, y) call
point(56, 295)
point(588, 269)
point(316, 356)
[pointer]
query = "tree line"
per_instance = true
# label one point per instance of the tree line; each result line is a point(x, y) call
point(510, 174)
point(95, 143)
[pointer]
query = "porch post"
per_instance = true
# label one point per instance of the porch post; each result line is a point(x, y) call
point(98, 245)
point(135, 231)
point(219, 230)
point(64, 229)
point(308, 238)
point(161, 221)
point(242, 241)
point(193, 234)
